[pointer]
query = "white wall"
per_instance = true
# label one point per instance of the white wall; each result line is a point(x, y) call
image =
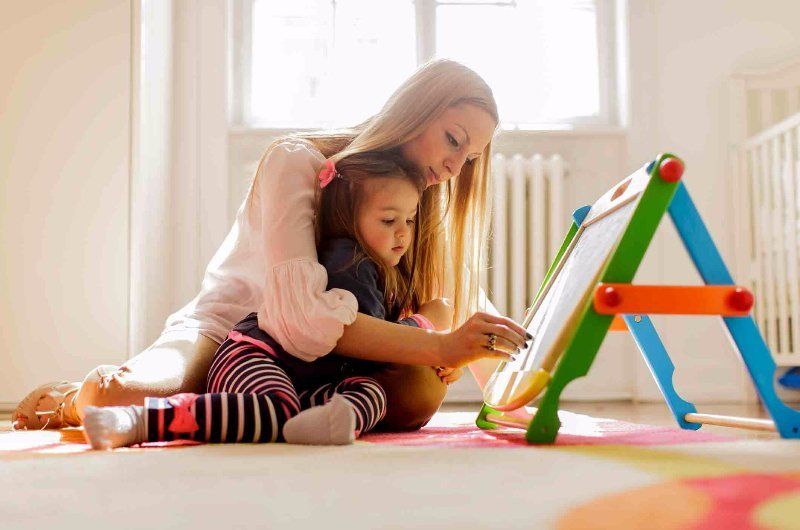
point(682, 53)
point(64, 154)
point(64, 163)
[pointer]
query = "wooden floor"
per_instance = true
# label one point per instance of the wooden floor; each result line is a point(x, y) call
point(649, 413)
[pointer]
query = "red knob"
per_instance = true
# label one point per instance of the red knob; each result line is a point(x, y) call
point(740, 300)
point(611, 297)
point(670, 169)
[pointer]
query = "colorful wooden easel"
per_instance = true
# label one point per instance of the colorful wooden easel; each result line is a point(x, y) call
point(614, 303)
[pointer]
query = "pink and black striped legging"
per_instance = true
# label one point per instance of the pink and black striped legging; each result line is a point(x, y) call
point(250, 398)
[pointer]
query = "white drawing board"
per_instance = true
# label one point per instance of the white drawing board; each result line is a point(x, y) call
point(554, 317)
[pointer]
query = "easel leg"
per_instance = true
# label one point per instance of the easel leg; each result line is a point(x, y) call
point(657, 359)
point(482, 422)
point(574, 364)
point(743, 330)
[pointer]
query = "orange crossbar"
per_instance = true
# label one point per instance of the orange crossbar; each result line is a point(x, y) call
point(624, 298)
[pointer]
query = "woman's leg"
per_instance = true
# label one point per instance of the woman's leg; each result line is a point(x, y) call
point(177, 362)
point(413, 395)
point(366, 397)
point(250, 399)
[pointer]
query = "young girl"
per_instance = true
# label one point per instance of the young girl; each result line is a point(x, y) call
point(368, 235)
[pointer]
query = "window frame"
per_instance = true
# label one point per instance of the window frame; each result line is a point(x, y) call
point(608, 117)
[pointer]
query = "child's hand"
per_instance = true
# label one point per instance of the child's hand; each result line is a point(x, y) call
point(449, 375)
point(439, 312)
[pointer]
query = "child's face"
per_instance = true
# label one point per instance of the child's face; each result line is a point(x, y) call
point(386, 219)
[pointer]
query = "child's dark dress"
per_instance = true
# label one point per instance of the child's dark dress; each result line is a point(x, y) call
point(361, 278)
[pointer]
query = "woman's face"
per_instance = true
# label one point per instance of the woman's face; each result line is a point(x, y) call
point(457, 136)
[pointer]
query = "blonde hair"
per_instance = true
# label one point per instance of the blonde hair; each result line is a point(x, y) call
point(340, 204)
point(458, 211)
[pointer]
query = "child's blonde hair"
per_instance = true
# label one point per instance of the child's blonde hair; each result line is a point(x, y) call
point(340, 204)
point(457, 213)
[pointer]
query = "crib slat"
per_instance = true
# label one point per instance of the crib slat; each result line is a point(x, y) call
point(779, 235)
point(769, 248)
point(756, 208)
point(791, 241)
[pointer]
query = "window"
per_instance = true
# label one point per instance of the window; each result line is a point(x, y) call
point(330, 63)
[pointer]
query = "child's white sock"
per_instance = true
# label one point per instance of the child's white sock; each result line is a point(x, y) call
point(109, 427)
point(333, 423)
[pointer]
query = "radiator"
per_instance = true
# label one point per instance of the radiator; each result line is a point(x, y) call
point(529, 222)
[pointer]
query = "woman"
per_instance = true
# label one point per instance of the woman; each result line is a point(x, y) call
point(442, 119)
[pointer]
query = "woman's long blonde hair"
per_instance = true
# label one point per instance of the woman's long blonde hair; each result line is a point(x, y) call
point(462, 205)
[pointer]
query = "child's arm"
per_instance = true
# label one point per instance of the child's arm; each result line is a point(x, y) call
point(375, 339)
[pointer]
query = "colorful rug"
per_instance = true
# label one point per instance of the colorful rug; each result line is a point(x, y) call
point(451, 429)
point(601, 473)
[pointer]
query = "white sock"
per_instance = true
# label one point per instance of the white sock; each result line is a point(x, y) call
point(333, 423)
point(109, 427)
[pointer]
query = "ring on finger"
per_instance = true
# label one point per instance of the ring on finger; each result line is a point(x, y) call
point(492, 341)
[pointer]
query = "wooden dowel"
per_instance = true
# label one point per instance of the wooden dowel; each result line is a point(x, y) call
point(731, 421)
point(709, 419)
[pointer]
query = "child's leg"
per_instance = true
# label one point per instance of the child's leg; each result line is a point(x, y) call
point(250, 399)
point(337, 413)
point(365, 395)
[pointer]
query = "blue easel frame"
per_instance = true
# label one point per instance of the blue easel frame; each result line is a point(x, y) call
point(743, 330)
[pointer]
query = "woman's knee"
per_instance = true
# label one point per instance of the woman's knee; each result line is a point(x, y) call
point(413, 395)
point(103, 386)
point(175, 363)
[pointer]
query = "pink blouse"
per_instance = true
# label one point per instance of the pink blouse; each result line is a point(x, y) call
point(268, 263)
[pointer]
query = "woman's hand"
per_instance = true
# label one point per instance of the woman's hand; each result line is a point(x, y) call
point(472, 341)
point(449, 375)
point(439, 312)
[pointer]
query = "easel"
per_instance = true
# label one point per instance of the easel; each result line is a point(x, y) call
point(617, 304)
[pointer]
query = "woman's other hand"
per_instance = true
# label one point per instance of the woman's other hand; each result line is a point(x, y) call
point(439, 312)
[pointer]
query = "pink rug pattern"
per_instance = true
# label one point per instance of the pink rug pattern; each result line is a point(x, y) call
point(448, 429)
point(459, 430)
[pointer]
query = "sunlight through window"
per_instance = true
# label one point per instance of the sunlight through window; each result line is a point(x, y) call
point(331, 63)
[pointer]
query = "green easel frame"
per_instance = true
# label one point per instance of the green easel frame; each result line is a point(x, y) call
point(662, 194)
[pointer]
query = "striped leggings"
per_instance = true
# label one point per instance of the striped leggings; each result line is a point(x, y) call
point(250, 398)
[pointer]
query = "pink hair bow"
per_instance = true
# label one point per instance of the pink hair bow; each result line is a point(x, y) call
point(327, 174)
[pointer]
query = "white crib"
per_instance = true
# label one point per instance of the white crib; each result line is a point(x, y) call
point(765, 127)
